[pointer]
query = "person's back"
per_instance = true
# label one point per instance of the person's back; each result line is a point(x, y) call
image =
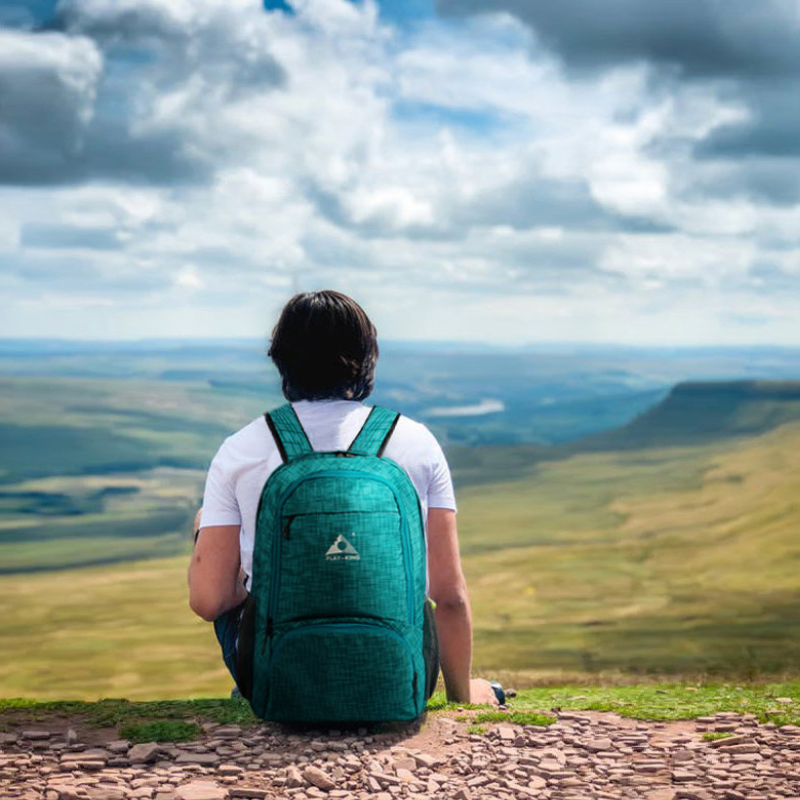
point(325, 349)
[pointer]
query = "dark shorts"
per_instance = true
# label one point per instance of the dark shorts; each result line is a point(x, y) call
point(235, 630)
point(226, 627)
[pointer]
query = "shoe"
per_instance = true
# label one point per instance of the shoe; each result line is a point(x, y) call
point(498, 692)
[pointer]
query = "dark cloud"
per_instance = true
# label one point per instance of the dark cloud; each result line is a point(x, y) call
point(761, 180)
point(773, 127)
point(701, 37)
point(749, 50)
point(47, 88)
point(105, 151)
point(54, 129)
point(73, 98)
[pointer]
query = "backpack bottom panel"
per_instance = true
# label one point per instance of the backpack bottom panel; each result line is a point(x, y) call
point(343, 672)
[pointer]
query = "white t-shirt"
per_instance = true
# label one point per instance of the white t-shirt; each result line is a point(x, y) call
point(246, 459)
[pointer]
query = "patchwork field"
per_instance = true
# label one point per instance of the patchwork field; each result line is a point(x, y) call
point(100, 471)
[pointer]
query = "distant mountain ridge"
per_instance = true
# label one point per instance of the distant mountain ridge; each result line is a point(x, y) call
point(695, 412)
point(692, 413)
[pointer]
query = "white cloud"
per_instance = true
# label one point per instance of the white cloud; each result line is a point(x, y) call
point(187, 278)
point(708, 261)
point(452, 175)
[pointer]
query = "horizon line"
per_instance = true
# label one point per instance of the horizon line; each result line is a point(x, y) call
point(448, 343)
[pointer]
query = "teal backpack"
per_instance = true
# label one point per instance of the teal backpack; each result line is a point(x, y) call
point(341, 630)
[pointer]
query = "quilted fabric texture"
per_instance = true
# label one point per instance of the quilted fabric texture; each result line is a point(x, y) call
point(339, 580)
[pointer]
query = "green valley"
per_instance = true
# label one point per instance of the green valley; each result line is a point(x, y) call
point(622, 564)
point(622, 516)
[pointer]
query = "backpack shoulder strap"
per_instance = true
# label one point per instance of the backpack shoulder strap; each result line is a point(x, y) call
point(288, 433)
point(374, 435)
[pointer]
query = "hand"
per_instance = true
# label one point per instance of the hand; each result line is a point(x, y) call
point(481, 692)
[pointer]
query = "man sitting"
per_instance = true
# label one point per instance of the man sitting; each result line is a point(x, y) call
point(325, 348)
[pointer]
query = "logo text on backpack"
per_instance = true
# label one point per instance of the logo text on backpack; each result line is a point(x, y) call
point(342, 550)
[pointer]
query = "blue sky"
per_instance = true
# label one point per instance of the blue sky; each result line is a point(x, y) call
point(500, 171)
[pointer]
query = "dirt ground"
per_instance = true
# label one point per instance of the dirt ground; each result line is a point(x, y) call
point(583, 755)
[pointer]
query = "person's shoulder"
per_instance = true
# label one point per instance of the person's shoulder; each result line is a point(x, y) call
point(414, 434)
point(254, 438)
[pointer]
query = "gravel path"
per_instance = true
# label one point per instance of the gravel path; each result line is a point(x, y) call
point(584, 755)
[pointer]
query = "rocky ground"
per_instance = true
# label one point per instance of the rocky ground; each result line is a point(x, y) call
point(584, 755)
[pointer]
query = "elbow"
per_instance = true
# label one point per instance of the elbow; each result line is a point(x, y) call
point(204, 608)
point(455, 599)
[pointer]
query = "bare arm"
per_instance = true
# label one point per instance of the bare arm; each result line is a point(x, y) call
point(448, 589)
point(215, 583)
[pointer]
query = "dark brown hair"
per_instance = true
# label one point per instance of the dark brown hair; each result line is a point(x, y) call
point(325, 347)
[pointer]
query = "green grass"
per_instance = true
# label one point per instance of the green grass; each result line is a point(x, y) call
point(123, 630)
point(179, 720)
point(655, 702)
point(516, 717)
point(668, 701)
point(160, 731)
point(713, 736)
point(126, 714)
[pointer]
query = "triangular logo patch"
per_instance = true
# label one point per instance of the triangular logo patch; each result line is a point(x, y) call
point(342, 550)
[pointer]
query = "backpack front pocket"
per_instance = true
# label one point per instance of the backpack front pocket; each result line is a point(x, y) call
point(336, 672)
point(342, 564)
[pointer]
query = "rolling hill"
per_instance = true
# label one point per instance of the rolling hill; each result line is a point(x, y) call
point(692, 413)
point(655, 556)
point(703, 411)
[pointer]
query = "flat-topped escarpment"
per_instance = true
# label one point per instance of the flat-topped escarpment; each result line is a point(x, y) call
point(699, 411)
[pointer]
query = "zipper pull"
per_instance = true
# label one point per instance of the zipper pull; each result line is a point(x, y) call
point(415, 687)
point(285, 531)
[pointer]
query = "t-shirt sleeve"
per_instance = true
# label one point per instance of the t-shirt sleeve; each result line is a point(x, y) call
point(440, 489)
point(220, 506)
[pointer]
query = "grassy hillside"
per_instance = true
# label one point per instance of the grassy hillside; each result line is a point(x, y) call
point(695, 412)
point(680, 561)
point(119, 631)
